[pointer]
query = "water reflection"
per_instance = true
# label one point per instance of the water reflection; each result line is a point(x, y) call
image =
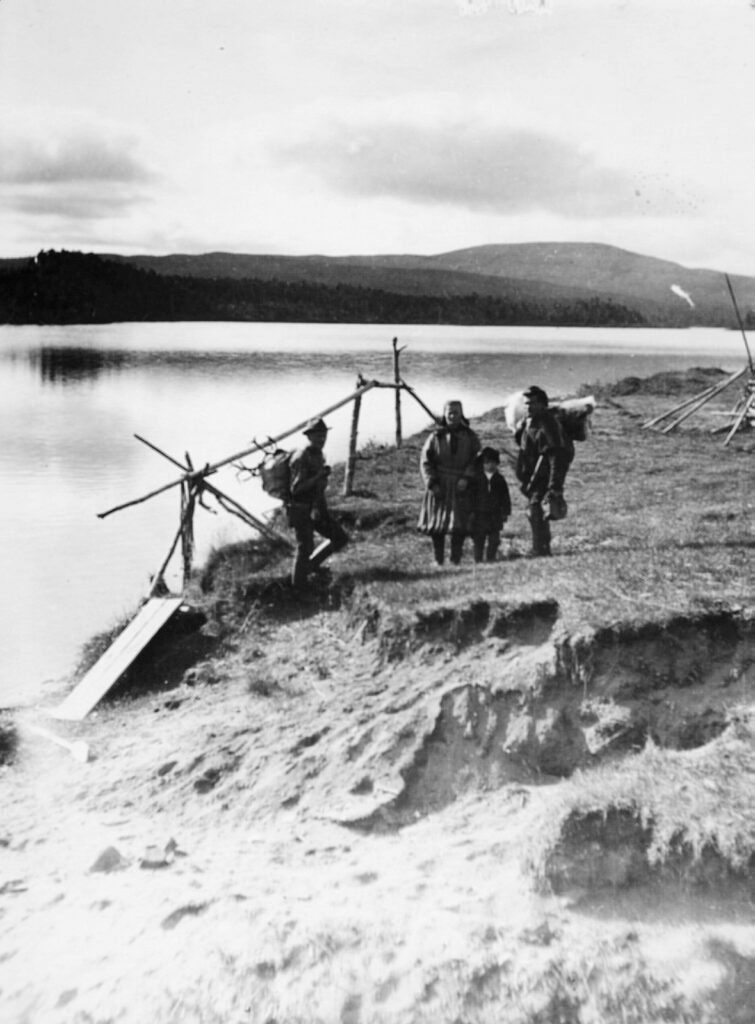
point(71, 365)
point(70, 453)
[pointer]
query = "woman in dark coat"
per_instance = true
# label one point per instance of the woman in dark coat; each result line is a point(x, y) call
point(447, 466)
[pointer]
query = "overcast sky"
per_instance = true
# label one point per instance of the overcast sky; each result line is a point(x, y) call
point(374, 126)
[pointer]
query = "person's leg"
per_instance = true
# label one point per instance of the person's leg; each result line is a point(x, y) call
point(478, 546)
point(541, 532)
point(335, 539)
point(494, 539)
point(439, 546)
point(304, 544)
point(457, 544)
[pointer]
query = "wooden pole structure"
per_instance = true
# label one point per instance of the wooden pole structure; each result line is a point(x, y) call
point(246, 516)
point(351, 462)
point(741, 325)
point(255, 447)
point(747, 404)
point(702, 400)
point(397, 381)
point(188, 498)
point(691, 405)
point(236, 509)
point(688, 401)
point(417, 399)
point(158, 581)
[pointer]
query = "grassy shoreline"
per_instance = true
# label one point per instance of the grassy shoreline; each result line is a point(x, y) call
point(516, 791)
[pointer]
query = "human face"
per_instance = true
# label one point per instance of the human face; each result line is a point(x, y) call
point(318, 439)
point(453, 414)
point(534, 405)
point(489, 466)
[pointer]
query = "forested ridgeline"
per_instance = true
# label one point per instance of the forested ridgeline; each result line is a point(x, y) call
point(78, 288)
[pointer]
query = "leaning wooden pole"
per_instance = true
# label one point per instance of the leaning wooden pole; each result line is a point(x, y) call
point(158, 581)
point(702, 401)
point(232, 506)
point(678, 408)
point(188, 499)
point(351, 461)
point(229, 504)
point(741, 325)
point(257, 446)
point(397, 380)
point(746, 406)
point(419, 401)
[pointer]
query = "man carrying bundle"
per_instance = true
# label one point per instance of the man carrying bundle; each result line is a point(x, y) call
point(544, 457)
point(307, 508)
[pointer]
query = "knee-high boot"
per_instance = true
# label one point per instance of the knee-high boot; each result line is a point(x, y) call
point(321, 552)
point(439, 546)
point(457, 543)
point(541, 531)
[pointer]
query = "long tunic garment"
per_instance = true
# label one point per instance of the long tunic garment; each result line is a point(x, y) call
point(447, 457)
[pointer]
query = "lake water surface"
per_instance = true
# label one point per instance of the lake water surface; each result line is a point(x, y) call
point(73, 398)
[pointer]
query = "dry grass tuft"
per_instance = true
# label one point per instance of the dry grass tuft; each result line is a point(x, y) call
point(696, 801)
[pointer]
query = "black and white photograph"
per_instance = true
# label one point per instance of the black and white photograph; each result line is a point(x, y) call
point(377, 402)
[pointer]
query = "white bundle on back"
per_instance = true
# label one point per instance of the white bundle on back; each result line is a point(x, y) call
point(515, 408)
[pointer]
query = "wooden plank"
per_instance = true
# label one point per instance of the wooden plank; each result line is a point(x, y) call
point(107, 671)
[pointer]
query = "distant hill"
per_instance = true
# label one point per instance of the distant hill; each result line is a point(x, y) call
point(605, 269)
point(533, 283)
point(537, 270)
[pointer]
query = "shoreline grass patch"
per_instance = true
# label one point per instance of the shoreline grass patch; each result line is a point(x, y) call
point(680, 815)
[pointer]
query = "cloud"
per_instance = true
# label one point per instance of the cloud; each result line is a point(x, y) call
point(69, 173)
point(81, 157)
point(73, 202)
point(480, 167)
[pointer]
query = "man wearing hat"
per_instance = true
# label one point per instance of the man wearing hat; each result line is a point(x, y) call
point(307, 508)
point(542, 462)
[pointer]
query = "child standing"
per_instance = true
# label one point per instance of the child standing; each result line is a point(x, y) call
point(491, 505)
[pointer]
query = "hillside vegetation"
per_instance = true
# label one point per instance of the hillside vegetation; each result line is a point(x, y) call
point(513, 792)
point(536, 284)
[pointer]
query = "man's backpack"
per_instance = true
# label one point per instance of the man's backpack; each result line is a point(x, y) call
point(275, 474)
point(573, 417)
point(574, 421)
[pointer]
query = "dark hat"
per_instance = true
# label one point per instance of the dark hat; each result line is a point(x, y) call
point(490, 455)
point(316, 427)
point(533, 391)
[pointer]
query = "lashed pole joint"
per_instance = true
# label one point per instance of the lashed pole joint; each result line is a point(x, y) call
point(193, 482)
point(211, 468)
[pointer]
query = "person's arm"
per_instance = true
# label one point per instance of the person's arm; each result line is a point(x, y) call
point(505, 497)
point(522, 443)
point(428, 464)
point(554, 449)
point(470, 470)
point(471, 444)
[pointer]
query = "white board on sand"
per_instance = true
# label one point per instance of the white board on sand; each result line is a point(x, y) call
point(117, 658)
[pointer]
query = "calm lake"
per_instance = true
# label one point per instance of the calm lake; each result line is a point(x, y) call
point(73, 398)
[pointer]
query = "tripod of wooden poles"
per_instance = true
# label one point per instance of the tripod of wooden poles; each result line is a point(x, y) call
point(194, 485)
point(743, 411)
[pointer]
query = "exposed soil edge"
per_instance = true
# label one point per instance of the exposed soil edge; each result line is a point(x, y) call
point(610, 850)
point(591, 699)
